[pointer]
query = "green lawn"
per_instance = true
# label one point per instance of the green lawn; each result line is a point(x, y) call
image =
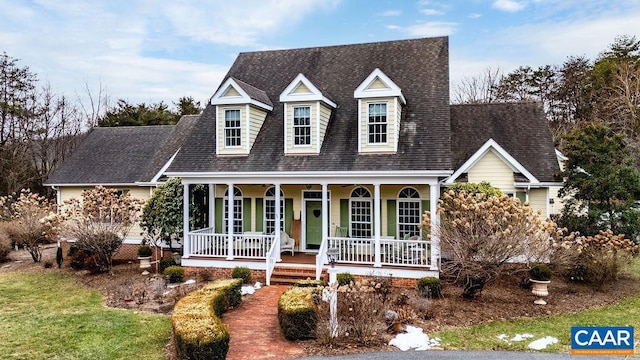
point(484, 336)
point(50, 316)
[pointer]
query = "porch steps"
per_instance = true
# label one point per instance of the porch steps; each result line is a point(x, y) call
point(288, 275)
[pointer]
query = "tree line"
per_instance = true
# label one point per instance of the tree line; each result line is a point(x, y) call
point(39, 127)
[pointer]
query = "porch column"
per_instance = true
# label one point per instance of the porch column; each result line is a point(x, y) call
point(325, 213)
point(230, 221)
point(378, 220)
point(186, 247)
point(212, 201)
point(278, 220)
point(435, 220)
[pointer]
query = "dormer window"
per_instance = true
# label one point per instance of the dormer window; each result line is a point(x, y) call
point(377, 123)
point(240, 112)
point(307, 110)
point(380, 103)
point(302, 125)
point(232, 130)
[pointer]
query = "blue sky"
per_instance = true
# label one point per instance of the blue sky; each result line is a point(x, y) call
point(150, 51)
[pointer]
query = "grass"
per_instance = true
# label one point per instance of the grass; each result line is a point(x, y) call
point(485, 336)
point(50, 316)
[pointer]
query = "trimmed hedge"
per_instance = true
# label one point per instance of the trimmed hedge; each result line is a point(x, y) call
point(345, 279)
point(429, 287)
point(242, 272)
point(174, 273)
point(297, 313)
point(309, 283)
point(198, 332)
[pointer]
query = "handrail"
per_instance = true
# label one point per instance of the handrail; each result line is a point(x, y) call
point(321, 258)
point(272, 258)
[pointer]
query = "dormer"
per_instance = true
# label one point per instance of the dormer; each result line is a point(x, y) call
point(307, 110)
point(380, 103)
point(240, 112)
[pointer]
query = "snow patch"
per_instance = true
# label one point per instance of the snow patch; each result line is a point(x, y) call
point(521, 337)
point(188, 282)
point(250, 289)
point(543, 343)
point(414, 338)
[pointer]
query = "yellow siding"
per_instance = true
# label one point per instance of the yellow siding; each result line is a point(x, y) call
point(492, 169)
point(391, 133)
point(301, 149)
point(231, 92)
point(377, 84)
point(256, 119)
point(538, 200)
point(139, 192)
point(558, 202)
point(242, 150)
point(325, 115)
point(301, 89)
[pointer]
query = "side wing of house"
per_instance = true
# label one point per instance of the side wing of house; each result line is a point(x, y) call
point(509, 146)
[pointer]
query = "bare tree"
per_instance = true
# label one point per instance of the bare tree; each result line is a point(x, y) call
point(478, 89)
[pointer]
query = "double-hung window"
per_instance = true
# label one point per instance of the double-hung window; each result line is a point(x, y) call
point(232, 131)
point(360, 221)
point(270, 210)
point(237, 211)
point(409, 213)
point(377, 123)
point(302, 125)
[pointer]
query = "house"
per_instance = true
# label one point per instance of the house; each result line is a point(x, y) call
point(343, 148)
point(131, 159)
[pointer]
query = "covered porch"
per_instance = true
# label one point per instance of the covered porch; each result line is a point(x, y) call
point(372, 226)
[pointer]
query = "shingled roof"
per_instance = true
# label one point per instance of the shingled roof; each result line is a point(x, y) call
point(420, 67)
point(122, 155)
point(519, 128)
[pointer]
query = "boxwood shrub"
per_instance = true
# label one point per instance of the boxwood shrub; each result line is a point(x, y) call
point(297, 313)
point(242, 272)
point(197, 329)
point(174, 273)
point(345, 279)
point(429, 287)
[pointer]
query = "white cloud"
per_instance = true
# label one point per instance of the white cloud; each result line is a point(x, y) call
point(391, 13)
point(431, 12)
point(508, 5)
point(431, 28)
point(474, 16)
point(393, 27)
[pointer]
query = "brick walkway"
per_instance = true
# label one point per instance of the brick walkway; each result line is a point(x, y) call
point(254, 328)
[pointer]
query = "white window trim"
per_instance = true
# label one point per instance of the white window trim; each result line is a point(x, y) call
point(293, 126)
point(224, 128)
point(225, 212)
point(368, 104)
point(399, 200)
point(264, 209)
point(371, 210)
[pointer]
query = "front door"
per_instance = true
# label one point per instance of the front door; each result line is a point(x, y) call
point(313, 228)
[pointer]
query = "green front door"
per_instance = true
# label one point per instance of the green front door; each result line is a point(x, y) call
point(313, 228)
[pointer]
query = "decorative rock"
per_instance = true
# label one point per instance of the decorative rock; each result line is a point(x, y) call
point(145, 273)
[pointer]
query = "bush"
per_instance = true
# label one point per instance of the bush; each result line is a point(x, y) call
point(298, 313)
point(242, 272)
point(540, 272)
point(144, 251)
point(165, 263)
point(309, 283)
point(174, 273)
point(197, 329)
point(429, 287)
point(345, 279)
point(5, 245)
point(596, 259)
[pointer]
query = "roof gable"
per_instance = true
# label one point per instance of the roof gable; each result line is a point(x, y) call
point(378, 84)
point(493, 146)
point(302, 89)
point(234, 91)
point(519, 129)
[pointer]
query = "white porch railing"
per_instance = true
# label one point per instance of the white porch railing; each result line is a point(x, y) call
point(321, 259)
point(273, 255)
point(206, 243)
point(405, 252)
point(414, 253)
